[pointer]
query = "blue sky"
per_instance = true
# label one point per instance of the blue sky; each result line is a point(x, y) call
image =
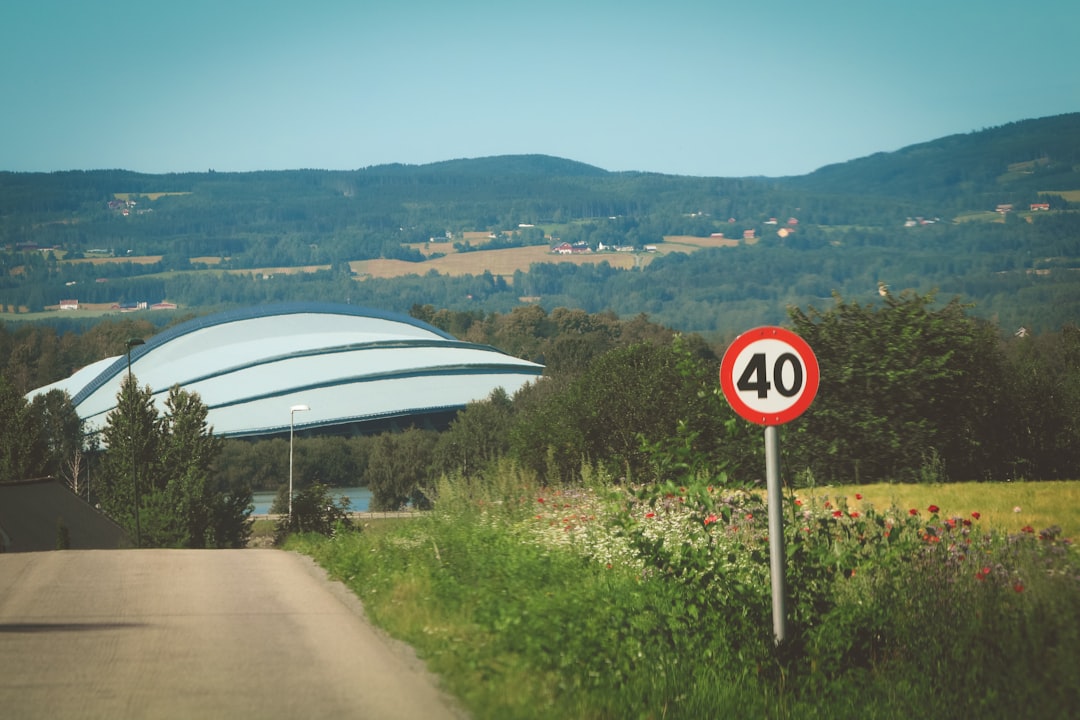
point(770, 87)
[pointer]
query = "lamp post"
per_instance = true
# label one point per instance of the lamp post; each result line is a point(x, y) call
point(134, 471)
point(292, 417)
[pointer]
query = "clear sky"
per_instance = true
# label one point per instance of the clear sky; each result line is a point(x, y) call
point(691, 87)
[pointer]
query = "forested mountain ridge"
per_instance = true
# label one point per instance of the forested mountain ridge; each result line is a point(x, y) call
point(1031, 155)
point(889, 218)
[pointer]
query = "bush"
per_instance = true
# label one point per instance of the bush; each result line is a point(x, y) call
point(314, 510)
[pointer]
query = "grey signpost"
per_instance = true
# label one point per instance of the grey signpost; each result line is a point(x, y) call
point(770, 376)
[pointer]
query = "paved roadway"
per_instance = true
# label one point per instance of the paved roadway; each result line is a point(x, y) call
point(196, 634)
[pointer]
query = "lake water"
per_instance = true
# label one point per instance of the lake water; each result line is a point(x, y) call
point(359, 499)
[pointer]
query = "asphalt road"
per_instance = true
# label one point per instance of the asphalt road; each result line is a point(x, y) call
point(196, 634)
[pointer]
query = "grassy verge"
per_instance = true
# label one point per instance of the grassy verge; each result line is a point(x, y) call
point(604, 603)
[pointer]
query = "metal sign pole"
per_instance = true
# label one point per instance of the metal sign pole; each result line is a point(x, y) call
point(776, 532)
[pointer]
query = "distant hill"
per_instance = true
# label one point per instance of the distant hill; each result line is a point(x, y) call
point(923, 217)
point(1040, 154)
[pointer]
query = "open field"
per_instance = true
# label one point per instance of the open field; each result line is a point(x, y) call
point(695, 242)
point(1003, 506)
point(1070, 195)
point(149, 196)
point(503, 262)
point(279, 270)
point(134, 259)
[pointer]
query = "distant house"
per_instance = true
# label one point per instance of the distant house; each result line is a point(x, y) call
point(1004, 208)
point(69, 304)
point(749, 234)
point(792, 221)
point(163, 306)
point(771, 221)
point(1039, 206)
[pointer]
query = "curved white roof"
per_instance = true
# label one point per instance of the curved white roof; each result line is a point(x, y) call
point(351, 366)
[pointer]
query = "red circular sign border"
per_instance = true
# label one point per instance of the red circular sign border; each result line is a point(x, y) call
point(810, 367)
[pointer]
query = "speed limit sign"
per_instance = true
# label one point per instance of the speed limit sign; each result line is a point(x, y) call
point(769, 375)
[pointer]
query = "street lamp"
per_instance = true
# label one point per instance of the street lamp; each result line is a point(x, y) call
point(134, 471)
point(292, 416)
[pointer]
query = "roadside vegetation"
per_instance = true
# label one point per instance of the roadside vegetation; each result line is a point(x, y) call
point(604, 600)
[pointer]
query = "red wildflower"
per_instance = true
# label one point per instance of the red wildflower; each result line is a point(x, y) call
point(711, 519)
point(912, 511)
point(1027, 529)
point(798, 501)
point(828, 504)
point(749, 516)
point(1019, 587)
point(650, 515)
point(854, 514)
point(976, 515)
point(539, 500)
point(858, 496)
point(933, 509)
point(837, 514)
point(967, 523)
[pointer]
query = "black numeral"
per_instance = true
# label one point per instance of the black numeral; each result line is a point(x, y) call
point(754, 377)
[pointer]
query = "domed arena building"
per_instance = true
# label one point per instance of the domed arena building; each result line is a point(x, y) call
point(355, 370)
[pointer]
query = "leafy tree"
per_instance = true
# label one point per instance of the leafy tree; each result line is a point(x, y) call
point(476, 437)
point(131, 436)
point(903, 383)
point(314, 509)
point(164, 465)
point(59, 434)
point(398, 468)
point(17, 435)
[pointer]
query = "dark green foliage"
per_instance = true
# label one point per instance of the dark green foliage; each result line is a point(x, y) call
point(900, 380)
point(398, 467)
point(314, 510)
point(162, 465)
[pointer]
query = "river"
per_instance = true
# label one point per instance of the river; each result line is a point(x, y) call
point(359, 499)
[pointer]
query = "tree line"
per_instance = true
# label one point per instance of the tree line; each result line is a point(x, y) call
point(912, 389)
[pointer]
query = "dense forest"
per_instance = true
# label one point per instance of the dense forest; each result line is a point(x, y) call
point(988, 216)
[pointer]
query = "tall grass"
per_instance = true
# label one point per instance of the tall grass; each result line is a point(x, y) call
point(1007, 507)
point(599, 602)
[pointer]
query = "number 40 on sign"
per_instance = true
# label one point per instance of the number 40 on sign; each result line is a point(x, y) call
point(769, 375)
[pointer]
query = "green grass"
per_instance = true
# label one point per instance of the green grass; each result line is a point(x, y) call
point(1041, 504)
point(545, 603)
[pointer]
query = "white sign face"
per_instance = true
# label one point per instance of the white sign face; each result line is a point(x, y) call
point(769, 375)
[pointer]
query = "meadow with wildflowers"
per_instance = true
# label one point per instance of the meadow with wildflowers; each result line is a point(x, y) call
point(610, 601)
